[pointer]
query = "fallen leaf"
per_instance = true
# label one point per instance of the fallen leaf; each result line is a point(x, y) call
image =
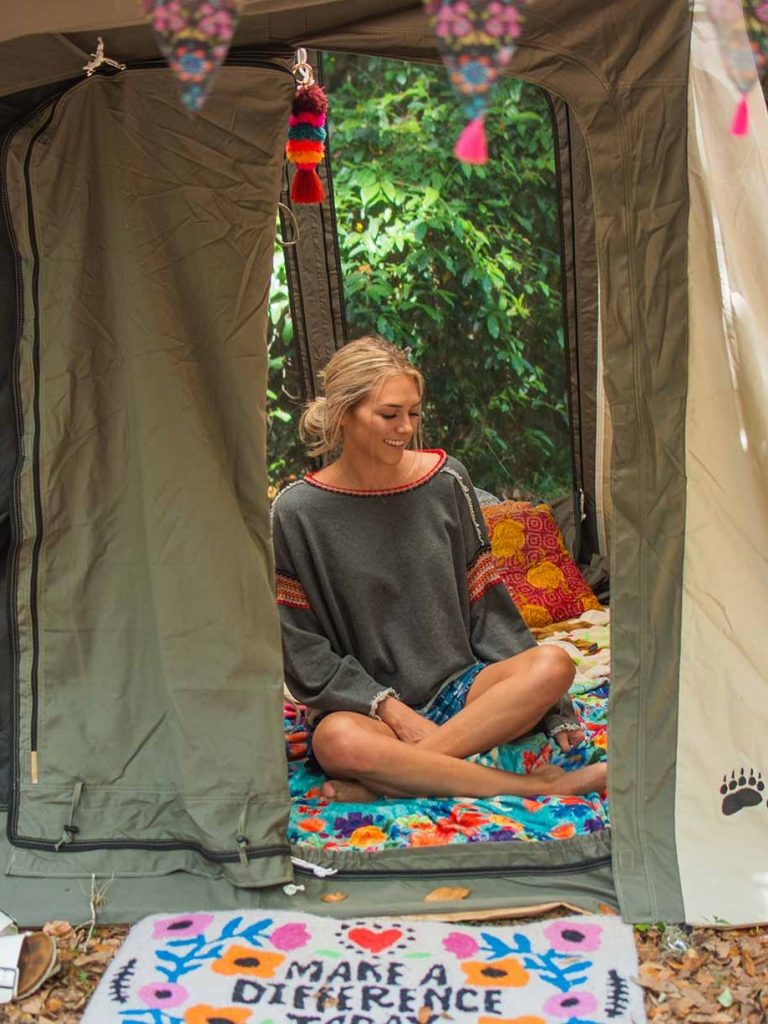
point(424, 1015)
point(603, 908)
point(655, 970)
point(725, 998)
point(53, 1005)
point(333, 897)
point(92, 958)
point(58, 928)
point(33, 1005)
point(447, 892)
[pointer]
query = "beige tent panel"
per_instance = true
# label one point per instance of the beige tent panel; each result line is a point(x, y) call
point(724, 662)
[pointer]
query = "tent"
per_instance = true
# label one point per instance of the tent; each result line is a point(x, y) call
point(140, 747)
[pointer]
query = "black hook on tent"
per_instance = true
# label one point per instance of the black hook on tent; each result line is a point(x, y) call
point(99, 58)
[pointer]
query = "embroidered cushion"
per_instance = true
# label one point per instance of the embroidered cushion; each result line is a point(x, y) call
point(534, 563)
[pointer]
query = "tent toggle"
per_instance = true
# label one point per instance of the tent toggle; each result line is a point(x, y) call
point(100, 58)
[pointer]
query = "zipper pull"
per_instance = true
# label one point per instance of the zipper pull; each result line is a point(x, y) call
point(33, 767)
point(317, 871)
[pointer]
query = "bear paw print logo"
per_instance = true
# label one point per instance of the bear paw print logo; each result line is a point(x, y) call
point(742, 790)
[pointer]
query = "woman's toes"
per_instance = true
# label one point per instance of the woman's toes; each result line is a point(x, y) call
point(343, 792)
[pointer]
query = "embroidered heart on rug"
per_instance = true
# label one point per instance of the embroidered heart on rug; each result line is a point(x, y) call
point(374, 942)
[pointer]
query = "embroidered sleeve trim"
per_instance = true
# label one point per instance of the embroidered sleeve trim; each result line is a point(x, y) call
point(482, 575)
point(290, 592)
point(467, 497)
point(379, 698)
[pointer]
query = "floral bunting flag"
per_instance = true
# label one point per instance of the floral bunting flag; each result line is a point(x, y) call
point(194, 37)
point(742, 56)
point(476, 39)
point(756, 14)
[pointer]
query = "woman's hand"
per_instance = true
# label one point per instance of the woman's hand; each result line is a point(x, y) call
point(567, 739)
point(408, 725)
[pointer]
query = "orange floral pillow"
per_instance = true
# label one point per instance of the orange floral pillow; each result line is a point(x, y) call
point(534, 563)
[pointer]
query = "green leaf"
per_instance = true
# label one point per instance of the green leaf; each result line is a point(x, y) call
point(370, 192)
point(431, 195)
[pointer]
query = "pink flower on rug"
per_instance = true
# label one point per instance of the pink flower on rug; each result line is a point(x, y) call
point(571, 1004)
point(182, 927)
point(573, 937)
point(290, 936)
point(461, 944)
point(162, 994)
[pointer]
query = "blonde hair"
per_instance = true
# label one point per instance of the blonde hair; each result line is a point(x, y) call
point(351, 375)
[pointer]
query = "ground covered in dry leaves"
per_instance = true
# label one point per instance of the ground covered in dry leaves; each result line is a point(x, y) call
point(702, 976)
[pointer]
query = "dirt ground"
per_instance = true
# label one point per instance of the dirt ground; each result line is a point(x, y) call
point(702, 976)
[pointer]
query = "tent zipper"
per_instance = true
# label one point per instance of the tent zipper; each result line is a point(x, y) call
point(37, 491)
point(15, 519)
point(454, 872)
point(238, 59)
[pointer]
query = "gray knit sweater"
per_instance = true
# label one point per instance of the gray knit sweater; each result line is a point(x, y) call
point(387, 592)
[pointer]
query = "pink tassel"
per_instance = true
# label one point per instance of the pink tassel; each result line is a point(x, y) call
point(740, 123)
point(472, 146)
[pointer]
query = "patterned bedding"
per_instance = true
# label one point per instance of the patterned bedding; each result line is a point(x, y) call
point(394, 823)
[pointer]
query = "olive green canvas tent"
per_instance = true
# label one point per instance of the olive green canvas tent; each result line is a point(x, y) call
point(140, 740)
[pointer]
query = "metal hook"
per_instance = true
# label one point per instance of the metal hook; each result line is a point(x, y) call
point(302, 69)
point(296, 232)
point(99, 58)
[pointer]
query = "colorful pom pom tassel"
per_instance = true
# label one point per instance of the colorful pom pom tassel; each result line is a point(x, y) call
point(472, 146)
point(740, 123)
point(305, 148)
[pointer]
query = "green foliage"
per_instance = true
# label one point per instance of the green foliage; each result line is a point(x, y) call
point(460, 265)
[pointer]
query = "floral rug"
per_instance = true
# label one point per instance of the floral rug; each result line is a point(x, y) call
point(272, 968)
point(396, 824)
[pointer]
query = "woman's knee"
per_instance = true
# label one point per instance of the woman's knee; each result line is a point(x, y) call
point(556, 667)
point(339, 744)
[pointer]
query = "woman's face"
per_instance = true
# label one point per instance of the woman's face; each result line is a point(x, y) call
point(381, 426)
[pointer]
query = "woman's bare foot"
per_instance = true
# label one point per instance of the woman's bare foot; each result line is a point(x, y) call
point(592, 779)
point(344, 791)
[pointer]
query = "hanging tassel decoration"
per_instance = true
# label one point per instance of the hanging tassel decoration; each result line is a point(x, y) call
point(305, 148)
point(740, 123)
point(476, 39)
point(472, 145)
point(742, 54)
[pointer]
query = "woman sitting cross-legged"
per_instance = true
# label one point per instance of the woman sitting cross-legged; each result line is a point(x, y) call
point(397, 629)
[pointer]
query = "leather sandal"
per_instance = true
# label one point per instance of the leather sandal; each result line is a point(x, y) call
point(26, 963)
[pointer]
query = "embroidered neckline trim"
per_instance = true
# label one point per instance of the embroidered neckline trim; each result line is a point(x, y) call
point(362, 493)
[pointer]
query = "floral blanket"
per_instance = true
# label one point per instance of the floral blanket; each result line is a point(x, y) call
point(394, 824)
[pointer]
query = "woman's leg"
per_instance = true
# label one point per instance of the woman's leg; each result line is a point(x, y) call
point(352, 747)
point(505, 701)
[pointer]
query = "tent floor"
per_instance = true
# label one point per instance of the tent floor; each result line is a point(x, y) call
point(33, 901)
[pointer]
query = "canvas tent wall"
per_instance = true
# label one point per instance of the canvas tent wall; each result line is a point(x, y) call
point(119, 206)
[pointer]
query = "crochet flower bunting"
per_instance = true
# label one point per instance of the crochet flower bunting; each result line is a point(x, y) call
point(194, 37)
point(745, 56)
point(476, 39)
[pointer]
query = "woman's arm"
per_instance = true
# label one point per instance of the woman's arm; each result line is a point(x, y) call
point(315, 674)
